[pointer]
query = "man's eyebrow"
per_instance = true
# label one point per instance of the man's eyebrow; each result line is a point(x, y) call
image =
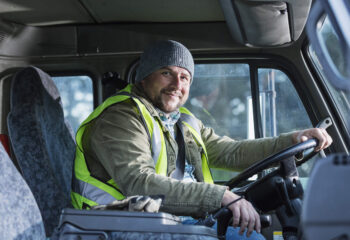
point(166, 68)
point(169, 69)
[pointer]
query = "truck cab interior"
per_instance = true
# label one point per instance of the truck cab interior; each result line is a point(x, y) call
point(262, 68)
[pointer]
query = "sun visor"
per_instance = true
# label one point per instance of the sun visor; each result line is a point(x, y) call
point(265, 23)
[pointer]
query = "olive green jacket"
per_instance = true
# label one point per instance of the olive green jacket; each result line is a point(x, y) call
point(116, 145)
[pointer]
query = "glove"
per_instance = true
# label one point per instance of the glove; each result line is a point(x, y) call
point(134, 204)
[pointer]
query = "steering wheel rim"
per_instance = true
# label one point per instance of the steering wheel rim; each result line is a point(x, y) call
point(277, 157)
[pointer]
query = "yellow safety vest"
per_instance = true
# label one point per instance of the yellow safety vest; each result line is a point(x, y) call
point(88, 191)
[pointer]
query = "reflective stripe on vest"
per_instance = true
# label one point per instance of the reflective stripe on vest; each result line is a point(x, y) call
point(192, 123)
point(91, 191)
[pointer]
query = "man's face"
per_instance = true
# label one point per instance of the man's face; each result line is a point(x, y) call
point(168, 88)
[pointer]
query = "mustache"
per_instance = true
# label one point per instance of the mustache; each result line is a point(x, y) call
point(171, 91)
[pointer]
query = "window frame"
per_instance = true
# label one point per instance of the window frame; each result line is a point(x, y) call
point(268, 62)
point(341, 144)
point(256, 63)
point(96, 82)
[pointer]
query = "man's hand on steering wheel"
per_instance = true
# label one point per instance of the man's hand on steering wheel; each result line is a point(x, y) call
point(324, 139)
point(244, 214)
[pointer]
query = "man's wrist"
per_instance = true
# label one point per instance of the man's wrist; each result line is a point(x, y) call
point(228, 197)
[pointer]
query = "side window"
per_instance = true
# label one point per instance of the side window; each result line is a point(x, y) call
point(281, 109)
point(221, 97)
point(77, 98)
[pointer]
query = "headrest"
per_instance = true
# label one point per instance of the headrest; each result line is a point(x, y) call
point(39, 80)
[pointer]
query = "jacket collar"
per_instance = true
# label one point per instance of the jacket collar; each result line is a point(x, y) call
point(138, 92)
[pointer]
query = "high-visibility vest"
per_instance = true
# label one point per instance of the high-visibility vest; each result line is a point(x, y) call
point(88, 191)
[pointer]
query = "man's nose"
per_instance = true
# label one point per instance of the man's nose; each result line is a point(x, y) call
point(177, 81)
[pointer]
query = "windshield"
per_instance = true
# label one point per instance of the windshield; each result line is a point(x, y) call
point(340, 98)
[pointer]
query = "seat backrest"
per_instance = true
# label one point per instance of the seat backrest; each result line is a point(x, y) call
point(41, 141)
point(20, 215)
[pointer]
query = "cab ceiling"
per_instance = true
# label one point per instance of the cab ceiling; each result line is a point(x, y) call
point(53, 12)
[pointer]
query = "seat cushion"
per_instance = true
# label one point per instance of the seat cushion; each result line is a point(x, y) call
point(20, 215)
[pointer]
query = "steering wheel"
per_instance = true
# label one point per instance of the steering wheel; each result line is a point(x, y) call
point(278, 157)
point(279, 185)
point(265, 163)
point(276, 184)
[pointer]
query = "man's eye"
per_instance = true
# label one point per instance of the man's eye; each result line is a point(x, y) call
point(185, 78)
point(166, 73)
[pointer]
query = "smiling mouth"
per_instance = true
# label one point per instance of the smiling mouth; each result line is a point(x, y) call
point(173, 94)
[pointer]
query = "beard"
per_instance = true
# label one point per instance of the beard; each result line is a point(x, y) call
point(168, 106)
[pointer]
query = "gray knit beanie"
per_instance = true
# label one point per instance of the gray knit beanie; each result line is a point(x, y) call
point(162, 54)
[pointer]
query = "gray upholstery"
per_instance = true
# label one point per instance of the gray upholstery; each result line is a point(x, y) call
point(112, 224)
point(74, 232)
point(20, 215)
point(41, 142)
point(168, 236)
point(325, 212)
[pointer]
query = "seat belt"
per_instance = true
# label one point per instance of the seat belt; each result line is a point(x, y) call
point(180, 160)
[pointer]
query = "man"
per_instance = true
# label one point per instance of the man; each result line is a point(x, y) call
point(141, 142)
